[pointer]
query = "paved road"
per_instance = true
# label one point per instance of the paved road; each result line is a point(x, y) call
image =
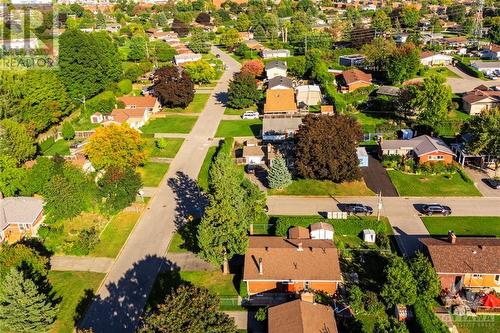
point(478, 177)
point(401, 211)
point(467, 82)
point(121, 298)
point(84, 264)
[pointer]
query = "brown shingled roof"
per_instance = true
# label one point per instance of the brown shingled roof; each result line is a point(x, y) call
point(282, 100)
point(301, 317)
point(122, 115)
point(355, 75)
point(479, 95)
point(281, 260)
point(298, 233)
point(475, 255)
point(139, 101)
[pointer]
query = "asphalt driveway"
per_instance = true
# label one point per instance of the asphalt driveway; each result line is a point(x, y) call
point(377, 179)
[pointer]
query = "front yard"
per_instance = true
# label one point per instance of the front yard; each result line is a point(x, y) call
point(324, 188)
point(239, 112)
point(432, 185)
point(236, 128)
point(74, 288)
point(170, 124)
point(172, 146)
point(152, 173)
point(196, 106)
point(463, 225)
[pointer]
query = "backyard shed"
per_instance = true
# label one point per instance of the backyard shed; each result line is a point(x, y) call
point(369, 235)
point(321, 230)
point(362, 156)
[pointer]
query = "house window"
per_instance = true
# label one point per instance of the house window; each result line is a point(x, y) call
point(21, 226)
point(497, 279)
point(477, 276)
point(436, 157)
point(307, 285)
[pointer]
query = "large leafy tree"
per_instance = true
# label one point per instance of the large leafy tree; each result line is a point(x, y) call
point(401, 287)
point(432, 101)
point(254, 67)
point(381, 21)
point(138, 48)
point(200, 71)
point(279, 176)
point(173, 87)
point(485, 130)
point(456, 12)
point(403, 63)
point(119, 187)
point(116, 146)
point(234, 204)
point(230, 38)
point(15, 141)
point(40, 174)
point(12, 178)
point(378, 52)
point(161, 51)
point(242, 91)
point(189, 309)
point(199, 42)
point(428, 284)
point(326, 148)
point(23, 308)
point(23, 258)
point(409, 16)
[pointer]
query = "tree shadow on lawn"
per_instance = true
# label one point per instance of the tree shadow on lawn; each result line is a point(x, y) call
point(256, 130)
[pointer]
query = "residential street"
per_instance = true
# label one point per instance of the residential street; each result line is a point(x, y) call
point(121, 297)
point(466, 82)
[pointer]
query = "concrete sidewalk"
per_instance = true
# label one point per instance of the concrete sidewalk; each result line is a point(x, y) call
point(84, 264)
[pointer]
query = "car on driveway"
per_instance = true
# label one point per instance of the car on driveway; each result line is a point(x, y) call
point(357, 208)
point(494, 183)
point(432, 209)
point(250, 115)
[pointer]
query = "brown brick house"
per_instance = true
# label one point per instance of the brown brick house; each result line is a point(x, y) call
point(353, 79)
point(465, 262)
point(276, 264)
point(19, 217)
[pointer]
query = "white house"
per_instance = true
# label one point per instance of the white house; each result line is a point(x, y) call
point(435, 59)
point(186, 57)
point(253, 153)
point(308, 95)
point(276, 68)
point(281, 53)
point(487, 67)
point(321, 230)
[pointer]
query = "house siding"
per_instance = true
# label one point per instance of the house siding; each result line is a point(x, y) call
point(447, 158)
point(479, 282)
point(357, 85)
point(13, 234)
point(255, 287)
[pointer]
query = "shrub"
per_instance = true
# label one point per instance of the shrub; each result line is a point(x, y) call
point(426, 320)
point(261, 314)
point(103, 103)
point(391, 161)
point(243, 289)
point(464, 176)
point(46, 144)
point(356, 299)
point(86, 242)
point(125, 86)
point(161, 143)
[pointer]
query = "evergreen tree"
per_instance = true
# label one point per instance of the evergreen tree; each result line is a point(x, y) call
point(401, 287)
point(242, 91)
point(427, 279)
point(22, 307)
point(279, 176)
point(68, 132)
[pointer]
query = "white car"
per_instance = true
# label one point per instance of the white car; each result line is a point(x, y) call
point(250, 115)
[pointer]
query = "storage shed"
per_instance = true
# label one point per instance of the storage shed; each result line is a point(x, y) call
point(362, 156)
point(321, 230)
point(369, 235)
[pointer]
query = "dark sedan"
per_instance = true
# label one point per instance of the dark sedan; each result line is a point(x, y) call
point(357, 208)
point(432, 209)
point(494, 183)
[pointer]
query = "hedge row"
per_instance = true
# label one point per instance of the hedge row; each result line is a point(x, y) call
point(426, 319)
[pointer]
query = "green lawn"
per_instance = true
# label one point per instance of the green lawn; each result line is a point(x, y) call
point(370, 121)
point(152, 173)
point(72, 287)
point(443, 71)
point(234, 128)
point(115, 234)
point(239, 112)
point(437, 185)
point(170, 124)
point(216, 282)
point(60, 147)
point(176, 244)
point(203, 175)
point(463, 225)
point(196, 106)
point(172, 147)
point(479, 324)
point(323, 188)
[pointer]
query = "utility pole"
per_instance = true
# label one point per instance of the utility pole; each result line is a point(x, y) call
point(379, 205)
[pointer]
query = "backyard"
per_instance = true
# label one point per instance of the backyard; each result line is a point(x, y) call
point(170, 149)
point(152, 173)
point(463, 225)
point(373, 121)
point(60, 147)
point(170, 124)
point(323, 188)
point(236, 128)
point(196, 106)
point(432, 185)
point(74, 289)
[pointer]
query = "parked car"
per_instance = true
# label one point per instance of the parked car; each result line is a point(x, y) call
point(250, 115)
point(431, 209)
point(494, 183)
point(357, 208)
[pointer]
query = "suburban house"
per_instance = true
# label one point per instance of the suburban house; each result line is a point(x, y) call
point(246, 35)
point(487, 67)
point(479, 99)
point(388, 91)
point(180, 59)
point(19, 44)
point(308, 95)
point(465, 262)
point(275, 68)
point(279, 129)
point(281, 53)
point(353, 79)
point(96, 118)
point(492, 52)
point(280, 82)
point(454, 42)
point(135, 118)
point(148, 102)
point(430, 59)
point(253, 153)
point(423, 148)
point(301, 316)
point(19, 217)
point(352, 60)
point(281, 265)
point(280, 101)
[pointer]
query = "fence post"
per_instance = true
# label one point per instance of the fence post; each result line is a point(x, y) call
point(251, 229)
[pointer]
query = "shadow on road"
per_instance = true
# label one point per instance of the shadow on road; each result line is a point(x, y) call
point(122, 309)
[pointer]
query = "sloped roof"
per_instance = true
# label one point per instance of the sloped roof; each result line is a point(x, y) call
point(421, 145)
point(475, 255)
point(427, 54)
point(480, 94)
point(321, 226)
point(147, 101)
point(252, 151)
point(19, 210)
point(298, 233)
point(276, 64)
point(278, 125)
point(280, 81)
point(280, 100)
point(301, 317)
point(122, 115)
point(355, 75)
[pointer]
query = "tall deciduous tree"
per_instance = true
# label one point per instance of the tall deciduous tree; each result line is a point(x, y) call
point(119, 188)
point(15, 141)
point(230, 38)
point(116, 146)
point(428, 283)
point(138, 48)
point(326, 148)
point(409, 16)
point(173, 87)
point(242, 91)
point(22, 307)
point(403, 63)
point(199, 42)
point(24, 258)
point(12, 178)
point(68, 132)
point(381, 21)
point(401, 287)
point(432, 101)
point(253, 67)
point(189, 309)
point(200, 71)
point(278, 175)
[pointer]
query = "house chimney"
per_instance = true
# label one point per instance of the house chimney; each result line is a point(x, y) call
point(452, 238)
point(299, 247)
point(260, 266)
point(307, 297)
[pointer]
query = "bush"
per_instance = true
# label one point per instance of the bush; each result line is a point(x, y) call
point(436, 168)
point(103, 103)
point(86, 242)
point(161, 143)
point(261, 314)
point(46, 144)
point(464, 176)
point(243, 289)
point(391, 161)
point(125, 86)
point(426, 320)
